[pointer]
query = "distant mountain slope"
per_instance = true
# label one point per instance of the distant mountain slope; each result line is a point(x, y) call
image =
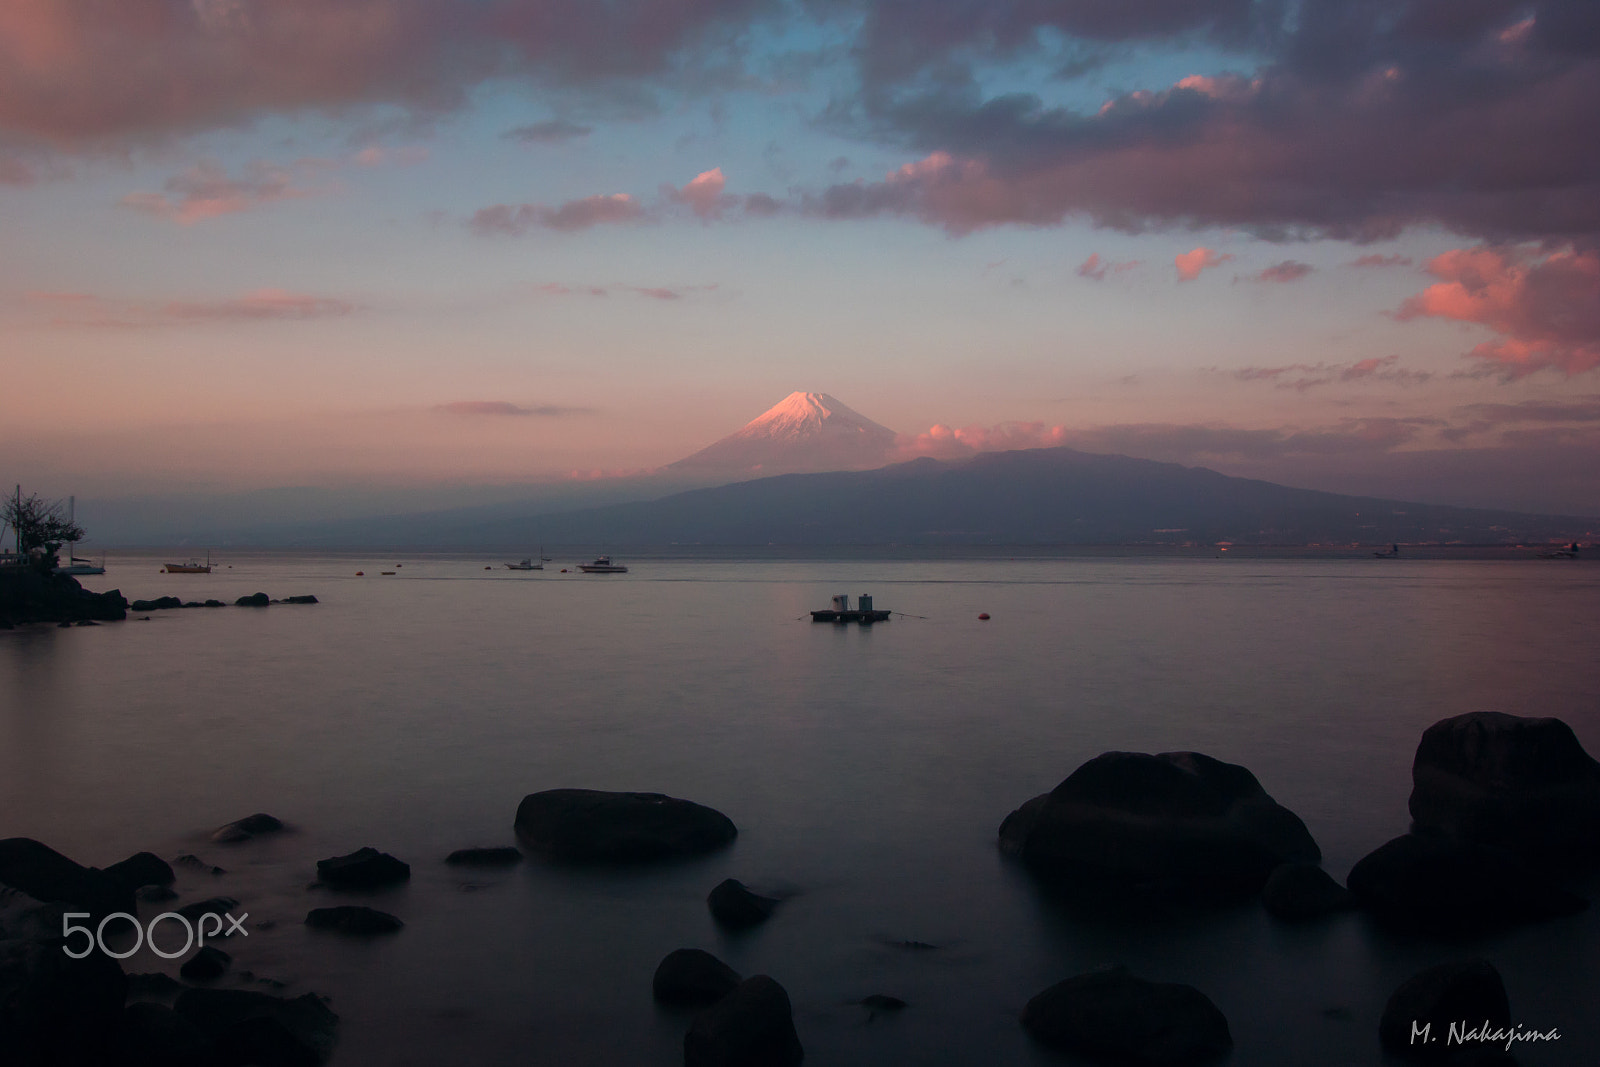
point(804, 432)
point(1036, 496)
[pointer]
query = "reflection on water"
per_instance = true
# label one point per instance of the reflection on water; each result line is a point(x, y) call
point(867, 769)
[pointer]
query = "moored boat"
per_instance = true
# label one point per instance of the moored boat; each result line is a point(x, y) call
point(194, 566)
point(602, 565)
point(525, 565)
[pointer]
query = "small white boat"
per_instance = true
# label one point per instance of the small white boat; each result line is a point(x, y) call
point(602, 565)
point(525, 565)
point(81, 566)
point(194, 566)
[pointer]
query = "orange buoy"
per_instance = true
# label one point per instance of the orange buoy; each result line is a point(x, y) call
point(360, 573)
point(983, 615)
point(488, 568)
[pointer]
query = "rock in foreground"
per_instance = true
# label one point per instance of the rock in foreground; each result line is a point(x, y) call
point(365, 868)
point(690, 976)
point(1436, 885)
point(1300, 891)
point(753, 1026)
point(255, 1028)
point(591, 826)
point(735, 907)
point(1177, 823)
point(1114, 1017)
point(247, 828)
point(1518, 783)
point(46, 875)
point(1465, 994)
point(353, 919)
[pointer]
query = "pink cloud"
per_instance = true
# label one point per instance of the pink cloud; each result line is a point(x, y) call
point(504, 407)
point(943, 442)
point(1545, 307)
point(1396, 260)
point(653, 292)
point(704, 194)
point(262, 305)
point(516, 220)
point(1287, 271)
point(1096, 269)
point(205, 191)
point(1191, 263)
point(1303, 376)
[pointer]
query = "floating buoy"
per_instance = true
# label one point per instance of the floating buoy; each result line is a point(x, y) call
point(563, 570)
point(360, 574)
point(399, 564)
point(488, 568)
point(984, 615)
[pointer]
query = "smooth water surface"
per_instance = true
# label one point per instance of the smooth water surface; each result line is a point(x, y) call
point(868, 770)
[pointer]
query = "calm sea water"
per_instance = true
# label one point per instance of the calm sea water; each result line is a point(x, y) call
point(867, 769)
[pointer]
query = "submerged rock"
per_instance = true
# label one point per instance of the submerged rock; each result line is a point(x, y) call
point(753, 1026)
point(251, 826)
point(736, 907)
point(1523, 784)
point(353, 919)
point(1299, 891)
point(365, 868)
point(1464, 994)
point(690, 976)
point(1177, 823)
point(484, 857)
point(588, 825)
point(307, 599)
point(158, 604)
point(1113, 1016)
point(1438, 885)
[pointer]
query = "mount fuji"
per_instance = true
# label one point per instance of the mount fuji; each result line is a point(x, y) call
point(803, 433)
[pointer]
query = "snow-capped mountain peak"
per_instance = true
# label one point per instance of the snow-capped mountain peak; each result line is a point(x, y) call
point(802, 432)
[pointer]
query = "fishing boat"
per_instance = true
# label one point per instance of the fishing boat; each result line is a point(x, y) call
point(1393, 553)
point(602, 565)
point(194, 566)
point(526, 565)
point(843, 612)
point(1570, 552)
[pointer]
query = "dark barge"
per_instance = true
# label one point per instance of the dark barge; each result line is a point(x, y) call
point(842, 612)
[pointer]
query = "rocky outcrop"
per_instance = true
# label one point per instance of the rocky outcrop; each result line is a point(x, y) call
point(1523, 784)
point(254, 600)
point(45, 874)
point(1438, 885)
point(365, 868)
point(692, 977)
point(1177, 823)
point(54, 1010)
point(1417, 1020)
point(1297, 892)
point(1115, 1017)
point(353, 919)
point(734, 906)
point(142, 869)
point(29, 594)
point(247, 828)
point(160, 603)
point(153, 1035)
point(753, 1026)
point(590, 826)
point(206, 965)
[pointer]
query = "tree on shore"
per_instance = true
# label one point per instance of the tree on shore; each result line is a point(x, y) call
point(40, 527)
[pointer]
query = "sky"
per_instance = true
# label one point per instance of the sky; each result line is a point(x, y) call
point(417, 245)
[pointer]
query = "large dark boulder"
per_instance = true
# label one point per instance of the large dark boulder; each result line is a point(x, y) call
point(693, 977)
point(158, 604)
point(55, 1010)
point(45, 874)
point(153, 1035)
point(142, 869)
point(256, 1028)
point(365, 868)
point(734, 906)
point(1437, 885)
point(1177, 823)
point(1297, 892)
point(254, 600)
point(353, 919)
point(1417, 1022)
point(34, 594)
point(1519, 783)
point(1113, 1016)
point(590, 826)
point(246, 829)
point(753, 1026)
